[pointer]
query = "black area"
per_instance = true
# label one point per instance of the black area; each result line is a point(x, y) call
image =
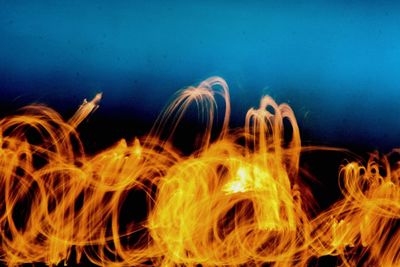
point(325, 261)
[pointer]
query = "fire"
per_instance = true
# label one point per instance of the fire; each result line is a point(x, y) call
point(238, 199)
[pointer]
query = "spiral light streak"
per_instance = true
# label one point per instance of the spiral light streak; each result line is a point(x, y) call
point(238, 199)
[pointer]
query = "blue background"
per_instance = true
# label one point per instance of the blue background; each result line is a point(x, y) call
point(336, 63)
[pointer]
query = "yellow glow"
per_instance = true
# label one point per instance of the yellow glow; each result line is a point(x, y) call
point(237, 200)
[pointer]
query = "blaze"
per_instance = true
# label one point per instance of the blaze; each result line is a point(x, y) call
point(237, 199)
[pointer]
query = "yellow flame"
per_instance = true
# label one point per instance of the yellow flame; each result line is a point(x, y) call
point(237, 200)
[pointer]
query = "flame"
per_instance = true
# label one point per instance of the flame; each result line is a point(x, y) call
point(237, 200)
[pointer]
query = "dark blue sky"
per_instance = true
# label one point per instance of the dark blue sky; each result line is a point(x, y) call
point(336, 62)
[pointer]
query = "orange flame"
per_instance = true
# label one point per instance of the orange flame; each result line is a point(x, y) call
point(237, 200)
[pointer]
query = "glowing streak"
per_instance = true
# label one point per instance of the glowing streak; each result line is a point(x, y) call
point(237, 200)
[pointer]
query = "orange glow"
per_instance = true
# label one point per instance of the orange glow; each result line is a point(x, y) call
point(236, 200)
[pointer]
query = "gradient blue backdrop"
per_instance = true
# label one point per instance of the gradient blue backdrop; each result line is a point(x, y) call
point(336, 62)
